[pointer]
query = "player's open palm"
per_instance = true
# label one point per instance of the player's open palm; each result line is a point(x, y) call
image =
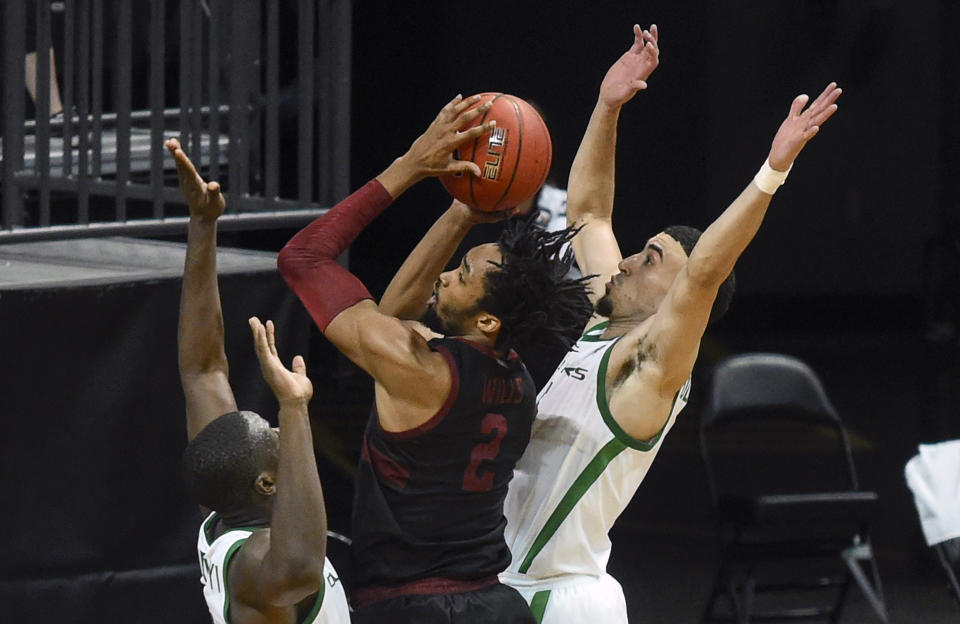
point(629, 74)
point(204, 198)
point(801, 125)
point(288, 385)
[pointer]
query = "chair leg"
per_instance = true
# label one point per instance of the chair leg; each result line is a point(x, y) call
point(852, 556)
point(951, 574)
point(714, 593)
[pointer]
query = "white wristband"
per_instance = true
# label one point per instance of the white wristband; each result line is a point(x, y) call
point(769, 179)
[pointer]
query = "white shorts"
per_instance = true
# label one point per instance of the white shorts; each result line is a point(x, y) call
point(577, 600)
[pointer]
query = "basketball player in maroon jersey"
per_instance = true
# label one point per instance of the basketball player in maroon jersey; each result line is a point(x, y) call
point(451, 414)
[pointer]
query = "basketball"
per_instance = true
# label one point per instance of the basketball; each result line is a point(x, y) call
point(514, 158)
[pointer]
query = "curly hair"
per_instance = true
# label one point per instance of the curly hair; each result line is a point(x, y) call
point(687, 237)
point(222, 462)
point(542, 311)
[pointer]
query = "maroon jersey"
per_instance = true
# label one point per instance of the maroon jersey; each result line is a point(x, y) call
point(428, 502)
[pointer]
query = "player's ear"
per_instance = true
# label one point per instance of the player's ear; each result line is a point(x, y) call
point(488, 324)
point(266, 483)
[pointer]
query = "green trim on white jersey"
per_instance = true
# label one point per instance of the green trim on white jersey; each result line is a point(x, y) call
point(590, 474)
point(604, 407)
point(578, 473)
point(216, 576)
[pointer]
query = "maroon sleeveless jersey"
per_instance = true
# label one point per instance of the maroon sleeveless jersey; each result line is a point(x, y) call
point(428, 502)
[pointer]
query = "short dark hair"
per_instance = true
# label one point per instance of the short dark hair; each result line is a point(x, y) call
point(687, 237)
point(539, 306)
point(222, 462)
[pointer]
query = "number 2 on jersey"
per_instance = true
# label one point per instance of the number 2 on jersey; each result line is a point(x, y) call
point(473, 481)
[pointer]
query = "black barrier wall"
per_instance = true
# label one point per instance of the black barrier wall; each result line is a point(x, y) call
point(95, 523)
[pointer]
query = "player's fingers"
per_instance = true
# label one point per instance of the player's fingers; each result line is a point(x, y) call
point(655, 32)
point(823, 115)
point(470, 115)
point(639, 85)
point(172, 145)
point(213, 188)
point(466, 103)
point(798, 103)
point(259, 341)
point(298, 365)
point(474, 132)
point(824, 94)
point(463, 166)
point(449, 109)
point(185, 168)
point(829, 99)
point(271, 338)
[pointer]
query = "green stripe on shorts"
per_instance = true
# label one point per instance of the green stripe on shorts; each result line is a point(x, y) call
point(539, 604)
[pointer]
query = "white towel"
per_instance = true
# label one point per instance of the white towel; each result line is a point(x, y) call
point(934, 478)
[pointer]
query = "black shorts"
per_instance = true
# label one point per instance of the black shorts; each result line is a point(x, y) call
point(496, 604)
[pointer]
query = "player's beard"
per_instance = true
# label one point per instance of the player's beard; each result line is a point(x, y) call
point(604, 306)
point(433, 321)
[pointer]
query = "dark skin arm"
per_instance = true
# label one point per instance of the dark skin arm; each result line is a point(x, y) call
point(412, 381)
point(406, 295)
point(204, 373)
point(283, 565)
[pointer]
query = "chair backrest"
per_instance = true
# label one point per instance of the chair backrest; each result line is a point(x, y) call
point(750, 392)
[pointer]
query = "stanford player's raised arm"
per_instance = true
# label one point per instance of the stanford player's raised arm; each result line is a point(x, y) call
point(396, 356)
point(407, 294)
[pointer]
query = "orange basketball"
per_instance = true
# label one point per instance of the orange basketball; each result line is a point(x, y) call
point(514, 158)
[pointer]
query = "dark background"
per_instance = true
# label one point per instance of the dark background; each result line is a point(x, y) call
point(854, 270)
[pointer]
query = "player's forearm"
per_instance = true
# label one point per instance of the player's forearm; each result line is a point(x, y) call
point(308, 262)
point(590, 187)
point(299, 523)
point(721, 244)
point(406, 295)
point(200, 332)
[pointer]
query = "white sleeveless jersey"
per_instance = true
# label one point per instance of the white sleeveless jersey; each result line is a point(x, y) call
point(577, 474)
point(331, 604)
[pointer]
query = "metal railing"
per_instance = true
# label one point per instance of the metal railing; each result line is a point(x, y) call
point(230, 105)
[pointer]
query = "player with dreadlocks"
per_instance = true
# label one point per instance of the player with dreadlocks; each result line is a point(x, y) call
point(452, 414)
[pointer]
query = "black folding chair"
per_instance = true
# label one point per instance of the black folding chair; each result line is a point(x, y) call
point(792, 520)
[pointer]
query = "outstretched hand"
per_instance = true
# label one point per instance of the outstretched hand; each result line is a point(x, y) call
point(802, 125)
point(289, 386)
point(432, 153)
point(629, 74)
point(204, 198)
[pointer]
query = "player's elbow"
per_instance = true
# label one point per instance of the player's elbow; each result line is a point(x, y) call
point(299, 578)
point(288, 260)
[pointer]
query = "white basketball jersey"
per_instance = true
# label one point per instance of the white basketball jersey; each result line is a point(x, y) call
point(577, 474)
point(331, 604)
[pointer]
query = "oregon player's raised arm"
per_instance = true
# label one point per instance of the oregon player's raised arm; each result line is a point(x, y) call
point(284, 565)
point(590, 188)
point(679, 323)
point(202, 360)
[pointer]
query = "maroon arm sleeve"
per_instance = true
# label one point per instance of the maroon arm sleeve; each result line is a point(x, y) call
point(308, 262)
